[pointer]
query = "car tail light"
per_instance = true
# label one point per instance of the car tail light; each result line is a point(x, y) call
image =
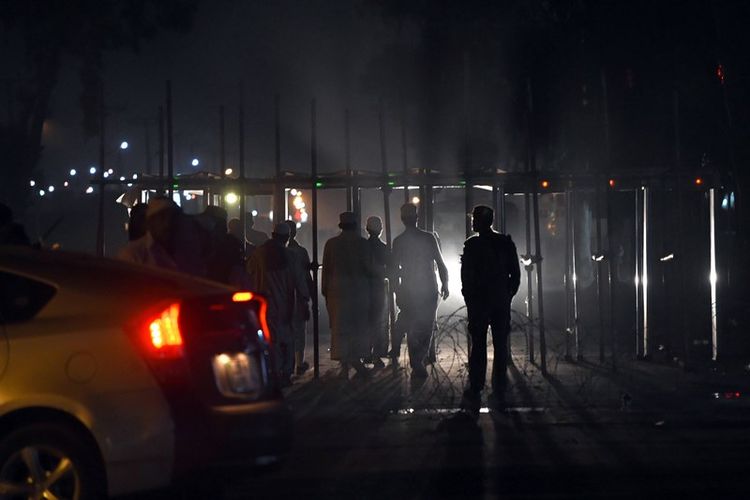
point(164, 338)
point(262, 310)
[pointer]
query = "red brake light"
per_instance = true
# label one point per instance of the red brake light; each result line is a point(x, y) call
point(164, 336)
point(242, 297)
point(262, 311)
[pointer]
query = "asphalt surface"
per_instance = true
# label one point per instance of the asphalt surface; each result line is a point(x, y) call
point(582, 431)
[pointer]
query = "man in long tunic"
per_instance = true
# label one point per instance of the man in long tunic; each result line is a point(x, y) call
point(415, 255)
point(345, 286)
point(273, 273)
point(490, 277)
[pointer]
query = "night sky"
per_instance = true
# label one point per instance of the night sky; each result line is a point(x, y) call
point(455, 75)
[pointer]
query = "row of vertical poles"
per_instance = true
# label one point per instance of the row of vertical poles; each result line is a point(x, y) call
point(642, 243)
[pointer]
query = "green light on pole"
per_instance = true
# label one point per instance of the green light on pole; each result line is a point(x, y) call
point(318, 184)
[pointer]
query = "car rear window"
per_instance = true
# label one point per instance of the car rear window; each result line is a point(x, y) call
point(22, 298)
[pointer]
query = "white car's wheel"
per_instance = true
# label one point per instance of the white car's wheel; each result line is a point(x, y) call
point(49, 461)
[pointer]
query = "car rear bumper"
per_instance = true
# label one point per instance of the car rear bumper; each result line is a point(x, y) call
point(229, 436)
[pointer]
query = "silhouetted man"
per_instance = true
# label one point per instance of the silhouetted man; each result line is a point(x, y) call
point(253, 236)
point(345, 285)
point(273, 273)
point(490, 277)
point(378, 313)
point(301, 304)
point(415, 254)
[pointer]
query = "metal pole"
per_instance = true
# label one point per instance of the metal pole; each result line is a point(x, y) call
point(644, 276)
point(527, 210)
point(404, 156)
point(429, 208)
point(713, 276)
point(348, 162)
point(387, 213)
point(279, 194)
point(567, 277)
point(574, 260)
point(161, 145)
point(539, 287)
point(241, 128)
point(314, 200)
point(222, 143)
point(102, 140)
point(598, 261)
point(502, 210)
point(170, 141)
point(384, 169)
point(495, 221)
point(147, 145)
point(637, 277)
point(529, 275)
point(611, 271)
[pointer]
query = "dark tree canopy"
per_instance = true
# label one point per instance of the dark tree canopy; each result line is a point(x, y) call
point(37, 35)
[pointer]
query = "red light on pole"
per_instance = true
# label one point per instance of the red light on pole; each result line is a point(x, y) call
point(698, 181)
point(720, 73)
point(611, 183)
point(545, 184)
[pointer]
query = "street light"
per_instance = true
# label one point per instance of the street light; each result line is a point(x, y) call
point(32, 183)
point(195, 162)
point(73, 172)
point(89, 190)
point(92, 170)
point(231, 198)
point(124, 145)
point(228, 171)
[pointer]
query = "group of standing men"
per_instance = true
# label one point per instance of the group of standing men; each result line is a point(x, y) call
point(358, 277)
point(357, 274)
point(210, 246)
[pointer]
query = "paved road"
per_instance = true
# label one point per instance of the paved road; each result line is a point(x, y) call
point(572, 434)
point(567, 435)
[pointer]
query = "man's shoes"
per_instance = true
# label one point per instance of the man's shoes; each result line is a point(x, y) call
point(471, 401)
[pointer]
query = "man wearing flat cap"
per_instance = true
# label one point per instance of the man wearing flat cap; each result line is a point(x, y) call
point(415, 255)
point(490, 277)
point(274, 272)
point(345, 286)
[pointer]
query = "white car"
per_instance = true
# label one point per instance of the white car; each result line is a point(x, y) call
point(116, 378)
